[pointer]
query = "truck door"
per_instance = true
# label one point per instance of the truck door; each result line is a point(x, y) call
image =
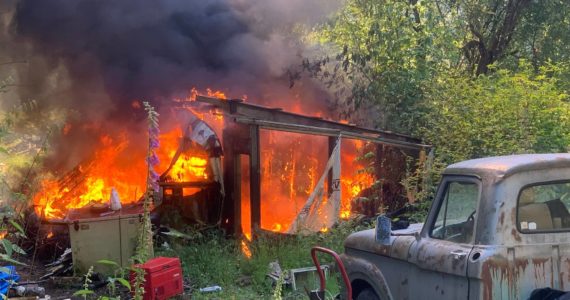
point(440, 256)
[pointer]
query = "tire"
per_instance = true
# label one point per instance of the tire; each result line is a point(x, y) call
point(367, 294)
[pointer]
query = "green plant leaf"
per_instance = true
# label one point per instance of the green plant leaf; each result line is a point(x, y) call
point(177, 234)
point(6, 258)
point(18, 227)
point(83, 293)
point(124, 282)
point(17, 249)
point(108, 262)
point(8, 247)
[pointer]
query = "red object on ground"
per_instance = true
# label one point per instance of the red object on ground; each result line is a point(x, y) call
point(163, 278)
point(340, 266)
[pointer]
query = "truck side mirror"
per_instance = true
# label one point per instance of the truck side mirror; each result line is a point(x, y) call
point(383, 230)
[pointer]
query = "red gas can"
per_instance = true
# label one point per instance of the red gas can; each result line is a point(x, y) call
point(163, 278)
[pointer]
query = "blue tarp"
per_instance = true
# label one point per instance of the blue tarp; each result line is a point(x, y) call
point(8, 278)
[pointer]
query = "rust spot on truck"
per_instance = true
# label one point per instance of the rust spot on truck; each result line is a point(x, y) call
point(493, 272)
point(521, 264)
point(516, 235)
point(539, 262)
point(499, 277)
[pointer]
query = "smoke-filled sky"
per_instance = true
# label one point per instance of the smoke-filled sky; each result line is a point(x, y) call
point(147, 49)
point(94, 57)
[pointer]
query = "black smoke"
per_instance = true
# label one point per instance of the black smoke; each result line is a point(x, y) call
point(147, 49)
point(94, 57)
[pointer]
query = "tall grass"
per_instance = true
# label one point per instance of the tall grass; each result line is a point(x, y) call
point(211, 259)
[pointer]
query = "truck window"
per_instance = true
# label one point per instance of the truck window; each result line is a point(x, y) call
point(544, 207)
point(456, 216)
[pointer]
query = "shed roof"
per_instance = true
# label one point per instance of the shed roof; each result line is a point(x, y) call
point(278, 119)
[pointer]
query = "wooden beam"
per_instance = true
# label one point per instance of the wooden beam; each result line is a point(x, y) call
point(239, 108)
point(329, 132)
point(255, 178)
point(192, 184)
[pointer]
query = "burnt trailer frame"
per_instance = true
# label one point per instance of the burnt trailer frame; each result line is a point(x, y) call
point(241, 136)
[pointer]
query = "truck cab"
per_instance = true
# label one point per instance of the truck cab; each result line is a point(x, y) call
point(498, 228)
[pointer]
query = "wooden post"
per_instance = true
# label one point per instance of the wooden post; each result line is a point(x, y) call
point(237, 194)
point(332, 143)
point(228, 209)
point(255, 178)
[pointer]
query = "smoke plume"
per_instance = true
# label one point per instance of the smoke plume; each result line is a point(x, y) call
point(97, 56)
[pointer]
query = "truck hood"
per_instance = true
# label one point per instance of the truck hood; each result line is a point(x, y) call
point(365, 240)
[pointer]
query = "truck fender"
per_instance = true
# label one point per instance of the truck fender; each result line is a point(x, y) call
point(359, 269)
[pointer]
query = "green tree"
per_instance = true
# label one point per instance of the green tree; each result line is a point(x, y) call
point(502, 113)
point(387, 50)
point(544, 34)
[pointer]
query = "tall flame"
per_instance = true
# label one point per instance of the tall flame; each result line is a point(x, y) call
point(115, 164)
point(291, 164)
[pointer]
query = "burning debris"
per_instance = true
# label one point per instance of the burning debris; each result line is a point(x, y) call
point(288, 148)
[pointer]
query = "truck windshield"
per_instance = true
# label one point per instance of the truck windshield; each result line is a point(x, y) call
point(456, 215)
point(544, 207)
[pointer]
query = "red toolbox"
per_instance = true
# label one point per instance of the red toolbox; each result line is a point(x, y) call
point(163, 278)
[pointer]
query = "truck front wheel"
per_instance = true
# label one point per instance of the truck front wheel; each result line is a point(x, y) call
point(367, 294)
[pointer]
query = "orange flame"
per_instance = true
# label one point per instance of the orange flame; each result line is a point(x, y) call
point(245, 249)
point(291, 164)
point(118, 164)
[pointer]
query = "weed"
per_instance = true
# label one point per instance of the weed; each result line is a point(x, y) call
point(210, 258)
point(86, 291)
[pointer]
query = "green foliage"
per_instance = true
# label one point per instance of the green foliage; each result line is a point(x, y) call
point(118, 277)
point(543, 34)
point(388, 50)
point(87, 281)
point(144, 250)
point(211, 259)
point(503, 113)
point(278, 291)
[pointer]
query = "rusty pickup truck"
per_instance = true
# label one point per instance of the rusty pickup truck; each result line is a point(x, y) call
point(498, 228)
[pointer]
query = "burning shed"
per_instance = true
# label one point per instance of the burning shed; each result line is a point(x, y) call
point(273, 160)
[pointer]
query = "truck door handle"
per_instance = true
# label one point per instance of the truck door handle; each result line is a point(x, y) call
point(458, 254)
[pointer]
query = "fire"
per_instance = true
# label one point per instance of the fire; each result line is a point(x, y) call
point(245, 249)
point(209, 92)
point(119, 164)
point(66, 128)
point(3, 234)
point(136, 104)
point(277, 227)
point(92, 181)
point(49, 235)
point(291, 165)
